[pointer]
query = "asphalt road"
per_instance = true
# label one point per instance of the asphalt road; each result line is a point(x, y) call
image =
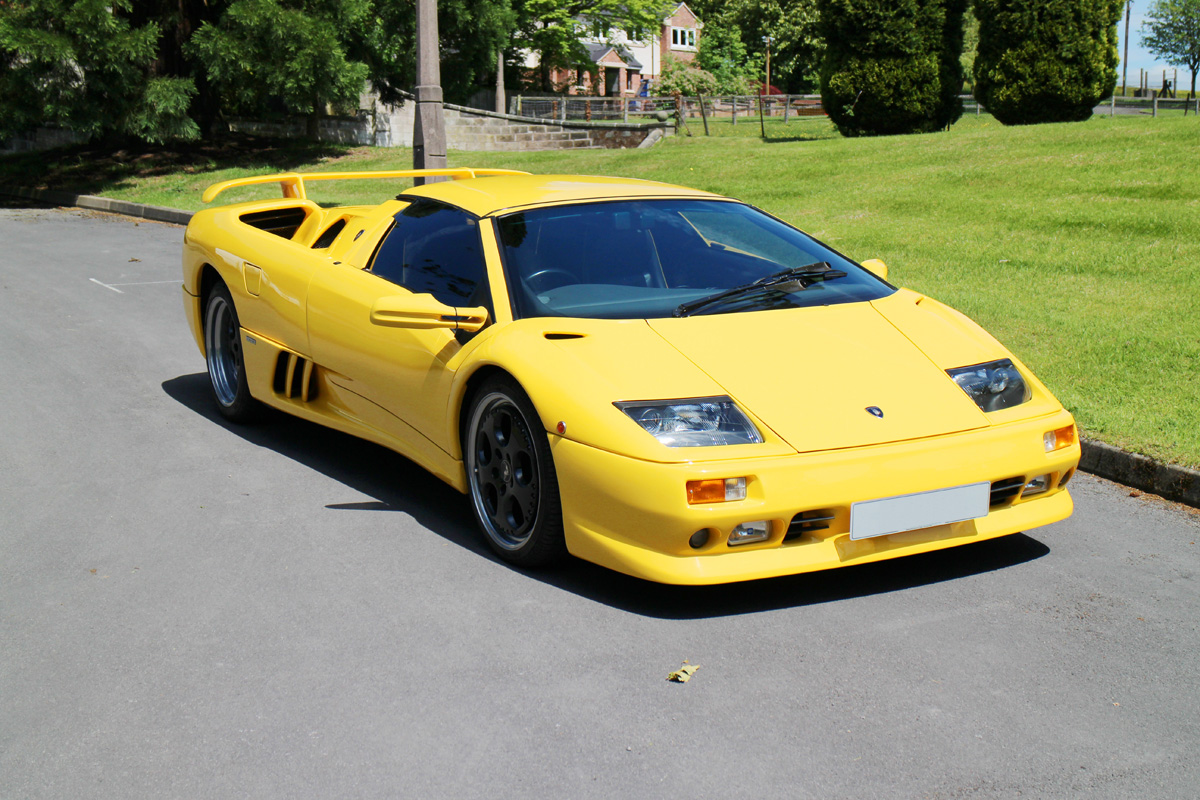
point(193, 610)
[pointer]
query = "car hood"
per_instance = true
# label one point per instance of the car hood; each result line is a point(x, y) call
point(811, 374)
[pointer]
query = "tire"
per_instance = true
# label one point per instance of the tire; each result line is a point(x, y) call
point(510, 471)
point(223, 352)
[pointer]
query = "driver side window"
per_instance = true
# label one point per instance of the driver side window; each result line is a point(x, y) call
point(433, 248)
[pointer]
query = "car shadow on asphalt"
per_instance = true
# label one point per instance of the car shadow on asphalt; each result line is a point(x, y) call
point(397, 484)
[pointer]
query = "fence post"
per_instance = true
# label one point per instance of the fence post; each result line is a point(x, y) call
point(703, 115)
point(624, 109)
point(518, 105)
point(587, 109)
point(787, 104)
point(1112, 108)
point(1154, 113)
point(564, 109)
point(734, 102)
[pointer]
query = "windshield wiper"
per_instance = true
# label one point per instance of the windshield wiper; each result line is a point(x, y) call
point(810, 273)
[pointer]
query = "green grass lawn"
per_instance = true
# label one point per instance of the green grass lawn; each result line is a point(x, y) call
point(1076, 245)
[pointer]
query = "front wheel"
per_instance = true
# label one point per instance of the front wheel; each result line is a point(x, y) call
point(514, 488)
point(223, 350)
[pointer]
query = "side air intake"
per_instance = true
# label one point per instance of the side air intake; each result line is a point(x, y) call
point(295, 377)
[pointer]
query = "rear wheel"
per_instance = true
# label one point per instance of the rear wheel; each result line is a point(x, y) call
point(223, 349)
point(514, 488)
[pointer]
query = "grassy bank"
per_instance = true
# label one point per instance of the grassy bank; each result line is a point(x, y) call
point(1074, 244)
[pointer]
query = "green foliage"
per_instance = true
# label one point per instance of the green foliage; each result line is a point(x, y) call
point(1172, 32)
point(83, 66)
point(1045, 60)
point(682, 77)
point(891, 66)
point(722, 54)
point(797, 46)
point(470, 34)
point(970, 46)
point(294, 51)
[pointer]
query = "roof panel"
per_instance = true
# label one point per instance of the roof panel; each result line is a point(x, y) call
point(483, 196)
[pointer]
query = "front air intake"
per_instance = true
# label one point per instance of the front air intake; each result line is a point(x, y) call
point(808, 522)
point(1005, 490)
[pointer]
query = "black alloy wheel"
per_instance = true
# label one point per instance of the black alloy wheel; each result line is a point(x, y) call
point(514, 487)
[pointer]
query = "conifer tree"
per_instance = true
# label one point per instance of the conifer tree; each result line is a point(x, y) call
point(891, 66)
point(1045, 60)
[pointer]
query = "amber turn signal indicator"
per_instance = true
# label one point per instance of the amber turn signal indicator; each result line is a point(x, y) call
point(1058, 439)
point(716, 490)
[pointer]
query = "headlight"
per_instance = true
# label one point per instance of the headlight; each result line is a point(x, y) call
point(992, 386)
point(696, 422)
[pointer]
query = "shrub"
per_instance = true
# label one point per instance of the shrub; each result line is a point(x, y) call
point(1045, 60)
point(891, 66)
point(680, 77)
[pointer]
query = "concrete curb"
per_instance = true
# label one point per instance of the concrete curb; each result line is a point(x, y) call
point(53, 197)
point(1175, 483)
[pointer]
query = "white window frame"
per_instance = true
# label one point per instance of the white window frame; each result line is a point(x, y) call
point(683, 38)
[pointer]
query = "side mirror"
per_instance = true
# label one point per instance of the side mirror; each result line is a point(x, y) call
point(423, 311)
point(876, 266)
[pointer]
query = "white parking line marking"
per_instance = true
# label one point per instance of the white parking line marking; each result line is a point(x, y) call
point(106, 286)
point(114, 286)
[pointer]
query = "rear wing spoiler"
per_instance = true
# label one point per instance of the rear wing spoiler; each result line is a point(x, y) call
point(292, 183)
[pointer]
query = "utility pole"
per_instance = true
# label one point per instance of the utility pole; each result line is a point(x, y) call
point(500, 101)
point(767, 40)
point(1125, 60)
point(429, 126)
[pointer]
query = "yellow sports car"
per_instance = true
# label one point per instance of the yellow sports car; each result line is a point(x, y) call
point(660, 380)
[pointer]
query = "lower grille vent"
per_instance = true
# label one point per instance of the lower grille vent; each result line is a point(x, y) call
point(808, 522)
point(1005, 490)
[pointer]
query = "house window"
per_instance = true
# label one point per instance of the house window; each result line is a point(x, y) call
point(683, 38)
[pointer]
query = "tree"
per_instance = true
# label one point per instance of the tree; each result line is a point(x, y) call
point(1045, 60)
point(797, 47)
point(891, 66)
point(1172, 32)
point(722, 54)
point(470, 33)
point(293, 51)
point(82, 65)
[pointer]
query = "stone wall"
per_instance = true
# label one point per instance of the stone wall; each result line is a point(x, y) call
point(41, 139)
point(467, 129)
point(474, 129)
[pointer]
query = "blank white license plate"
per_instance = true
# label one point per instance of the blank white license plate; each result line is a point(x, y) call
point(909, 512)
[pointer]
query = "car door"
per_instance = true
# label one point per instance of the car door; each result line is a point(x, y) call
point(397, 379)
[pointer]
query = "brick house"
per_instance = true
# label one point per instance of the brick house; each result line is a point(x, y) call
point(620, 63)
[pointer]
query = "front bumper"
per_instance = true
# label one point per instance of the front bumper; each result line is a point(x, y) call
point(633, 516)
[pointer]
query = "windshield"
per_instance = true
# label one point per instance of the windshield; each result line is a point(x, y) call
point(647, 258)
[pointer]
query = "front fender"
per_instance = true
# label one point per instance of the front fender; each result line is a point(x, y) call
point(574, 370)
